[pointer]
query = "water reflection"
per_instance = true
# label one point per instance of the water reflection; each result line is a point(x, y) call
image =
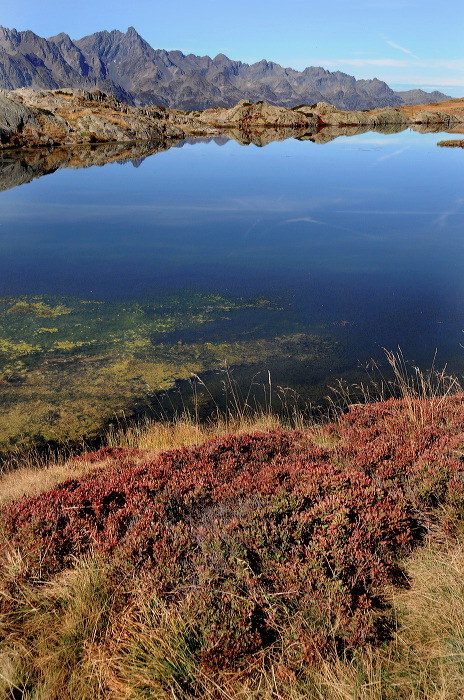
point(353, 247)
point(18, 167)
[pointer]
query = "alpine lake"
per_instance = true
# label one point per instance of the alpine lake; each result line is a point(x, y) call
point(211, 273)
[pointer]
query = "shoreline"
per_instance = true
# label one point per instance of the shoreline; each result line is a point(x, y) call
point(43, 118)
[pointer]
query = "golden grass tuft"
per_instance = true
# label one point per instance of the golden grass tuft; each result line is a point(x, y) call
point(33, 478)
point(53, 646)
point(159, 435)
point(421, 391)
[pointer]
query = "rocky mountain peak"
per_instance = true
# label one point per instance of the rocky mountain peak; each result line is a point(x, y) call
point(61, 38)
point(123, 64)
point(132, 33)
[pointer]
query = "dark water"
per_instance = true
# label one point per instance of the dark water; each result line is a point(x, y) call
point(360, 240)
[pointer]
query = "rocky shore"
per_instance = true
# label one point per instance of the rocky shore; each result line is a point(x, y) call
point(70, 117)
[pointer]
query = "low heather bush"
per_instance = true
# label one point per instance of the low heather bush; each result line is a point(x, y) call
point(265, 540)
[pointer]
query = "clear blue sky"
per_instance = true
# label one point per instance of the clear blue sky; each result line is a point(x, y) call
point(407, 43)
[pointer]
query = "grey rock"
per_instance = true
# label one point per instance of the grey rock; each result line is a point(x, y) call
point(378, 118)
point(14, 116)
point(388, 117)
point(434, 117)
point(50, 117)
point(260, 113)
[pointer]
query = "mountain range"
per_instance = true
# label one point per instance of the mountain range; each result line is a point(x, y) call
point(126, 66)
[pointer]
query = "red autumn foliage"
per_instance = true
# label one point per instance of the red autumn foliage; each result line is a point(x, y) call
point(265, 536)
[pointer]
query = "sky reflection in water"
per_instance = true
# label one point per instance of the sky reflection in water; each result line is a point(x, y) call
point(363, 235)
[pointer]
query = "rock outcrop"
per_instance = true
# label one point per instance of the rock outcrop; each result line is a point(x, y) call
point(259, 114)
point(426, 116)
point(14, 117)
point(31, 118)
point(328, 115)
point(70, 117)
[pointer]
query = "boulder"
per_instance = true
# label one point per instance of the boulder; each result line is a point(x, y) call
point(13, 118)
point(387, 117)
point(436, 117)
point(257, 114)
point(66, 117)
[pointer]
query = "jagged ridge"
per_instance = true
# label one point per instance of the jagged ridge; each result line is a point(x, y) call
point(126, 66)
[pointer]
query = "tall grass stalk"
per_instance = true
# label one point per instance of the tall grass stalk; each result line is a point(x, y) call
point(407, 382)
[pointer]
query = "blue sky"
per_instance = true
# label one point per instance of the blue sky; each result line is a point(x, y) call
point(407, 43)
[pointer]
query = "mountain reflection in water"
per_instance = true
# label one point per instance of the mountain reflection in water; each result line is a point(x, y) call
point(18, 167)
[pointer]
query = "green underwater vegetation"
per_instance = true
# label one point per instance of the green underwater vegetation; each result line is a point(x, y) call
point(68, 365)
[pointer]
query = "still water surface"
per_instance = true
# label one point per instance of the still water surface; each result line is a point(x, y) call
point(348, 247)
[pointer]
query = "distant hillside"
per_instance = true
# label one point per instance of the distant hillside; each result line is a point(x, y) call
point(420, 97)
point(126, 66)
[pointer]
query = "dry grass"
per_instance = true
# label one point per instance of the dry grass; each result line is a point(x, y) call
point(31, 480)
point(431, 642)
point(404, 381)
point(53, 648)
point(425, 658)
point(455, 106)
point(159, 435)
point(73, 642)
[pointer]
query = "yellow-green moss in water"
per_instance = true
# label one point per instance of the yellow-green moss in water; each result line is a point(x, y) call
point(61, 381)
point(38, 309)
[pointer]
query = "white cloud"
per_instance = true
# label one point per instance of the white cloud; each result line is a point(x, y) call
point(305, 219)
point(391, 155)
point(456, 64)
point(433, 82)
point(401, 48)
point(442, 220)
point(361, 62)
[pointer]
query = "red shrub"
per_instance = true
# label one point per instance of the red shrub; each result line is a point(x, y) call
point(274, 534)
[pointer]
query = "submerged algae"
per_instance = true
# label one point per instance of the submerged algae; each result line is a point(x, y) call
point(37, 308)
point(97, 360)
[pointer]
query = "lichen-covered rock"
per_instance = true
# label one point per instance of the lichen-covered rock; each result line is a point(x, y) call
point(257, 114)
point(14, 116)
point(387, 117)
point(325, 108)
point(66, 117)
point(426, 116)
point(372, 118)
